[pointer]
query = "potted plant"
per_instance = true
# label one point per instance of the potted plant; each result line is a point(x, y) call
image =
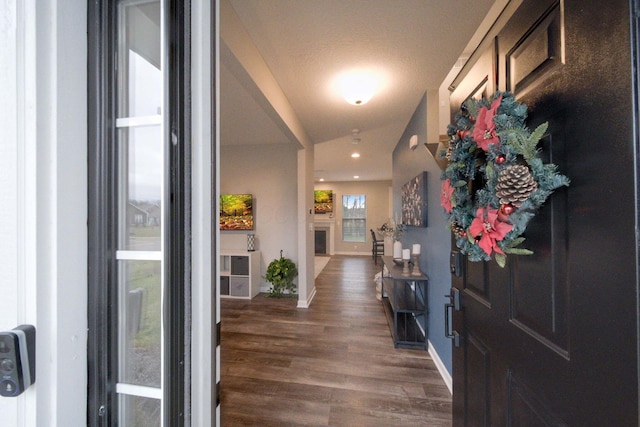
point(280, 273)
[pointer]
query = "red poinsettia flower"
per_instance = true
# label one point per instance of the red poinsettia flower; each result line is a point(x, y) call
point(484, 132)
point(445, 195)
point(462, 133)
point(488, 227)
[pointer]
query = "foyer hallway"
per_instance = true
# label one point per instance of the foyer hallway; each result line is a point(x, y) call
point(332, 364)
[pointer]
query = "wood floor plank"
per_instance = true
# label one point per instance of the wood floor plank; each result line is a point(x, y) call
point(333, 364)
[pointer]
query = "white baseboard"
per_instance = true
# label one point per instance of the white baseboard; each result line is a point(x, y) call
point(446, 377)
point(353, 253)
point(301, 303)
point(307, 303)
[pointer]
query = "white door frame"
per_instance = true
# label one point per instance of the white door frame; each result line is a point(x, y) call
point(43, 168)
point(205, 349)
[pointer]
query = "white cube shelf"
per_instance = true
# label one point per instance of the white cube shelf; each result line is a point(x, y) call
point(239, 274)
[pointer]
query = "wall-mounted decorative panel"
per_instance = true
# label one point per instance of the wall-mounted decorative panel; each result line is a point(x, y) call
point(414, 201)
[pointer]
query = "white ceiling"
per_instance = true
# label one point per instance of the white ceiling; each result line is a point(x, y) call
point(306, 43)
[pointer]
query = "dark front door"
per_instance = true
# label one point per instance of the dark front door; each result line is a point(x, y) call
point(551, 338)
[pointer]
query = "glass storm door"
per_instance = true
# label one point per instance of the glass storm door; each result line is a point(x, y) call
point(138, 288)
point(140, 202)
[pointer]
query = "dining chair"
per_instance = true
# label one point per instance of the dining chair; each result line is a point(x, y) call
point(377, 248)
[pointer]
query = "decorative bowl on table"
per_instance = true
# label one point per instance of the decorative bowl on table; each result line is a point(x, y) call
point(398, 261)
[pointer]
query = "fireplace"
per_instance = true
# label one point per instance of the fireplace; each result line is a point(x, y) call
point(321, 242)
point(326, 226)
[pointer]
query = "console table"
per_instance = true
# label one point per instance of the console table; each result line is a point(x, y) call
point(406, 305)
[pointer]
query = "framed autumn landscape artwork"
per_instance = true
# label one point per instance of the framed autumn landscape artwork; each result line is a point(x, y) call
point(323, 201)
point(236, 212)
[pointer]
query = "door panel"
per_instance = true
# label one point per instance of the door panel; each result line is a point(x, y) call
point(546, 339)
point(481, 81)
point(477, 284)
point(537, 54)
point(478, 384)
point(539, 288)
point(525, 407)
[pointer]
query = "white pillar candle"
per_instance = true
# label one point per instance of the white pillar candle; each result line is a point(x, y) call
point(406, 254)
point(397, 250)
point(416, 248)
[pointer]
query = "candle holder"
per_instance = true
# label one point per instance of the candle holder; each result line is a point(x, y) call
point(405, 269)
point(416, 268)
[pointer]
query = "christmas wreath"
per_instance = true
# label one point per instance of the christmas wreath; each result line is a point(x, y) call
point(495, 180)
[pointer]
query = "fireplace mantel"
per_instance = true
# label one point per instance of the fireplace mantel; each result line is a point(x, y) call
point(327, 224)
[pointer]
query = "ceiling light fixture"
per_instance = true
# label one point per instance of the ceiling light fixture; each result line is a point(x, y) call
point(355, 155)
point(356, 176)
point(357, 87)
point(356, 136)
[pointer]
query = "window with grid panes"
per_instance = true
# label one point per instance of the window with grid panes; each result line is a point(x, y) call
point(354, 218)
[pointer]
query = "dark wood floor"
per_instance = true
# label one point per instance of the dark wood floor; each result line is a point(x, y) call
point(332, 364)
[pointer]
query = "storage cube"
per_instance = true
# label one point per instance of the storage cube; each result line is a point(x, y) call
point(224, 285)
point(239, 286)
point(240, 265)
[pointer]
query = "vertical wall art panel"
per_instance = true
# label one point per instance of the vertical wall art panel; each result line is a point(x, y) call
point(414, 201)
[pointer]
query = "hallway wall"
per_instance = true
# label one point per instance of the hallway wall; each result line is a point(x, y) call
point(268, 172)
point(435, 238)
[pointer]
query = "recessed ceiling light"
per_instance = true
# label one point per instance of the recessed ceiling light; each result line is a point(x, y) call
point(321, 179)
point(356, 136)
point(355, 155)
point(356, 176)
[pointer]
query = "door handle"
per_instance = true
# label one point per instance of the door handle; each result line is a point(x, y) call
point(448, 333)
point(454, 299)
point(453, 304)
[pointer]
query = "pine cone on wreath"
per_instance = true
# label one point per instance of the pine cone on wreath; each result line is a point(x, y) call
point(515, 184)
point(458, 230)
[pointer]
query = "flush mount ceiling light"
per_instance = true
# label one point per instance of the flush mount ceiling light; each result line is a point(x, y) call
point(357, 87)
point(355, 155)
point(356, 176)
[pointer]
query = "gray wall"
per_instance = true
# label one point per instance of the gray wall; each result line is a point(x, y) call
point(269, 173)
point(435, 238)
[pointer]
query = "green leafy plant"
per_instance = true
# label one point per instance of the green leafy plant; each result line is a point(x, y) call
point(280, 273)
